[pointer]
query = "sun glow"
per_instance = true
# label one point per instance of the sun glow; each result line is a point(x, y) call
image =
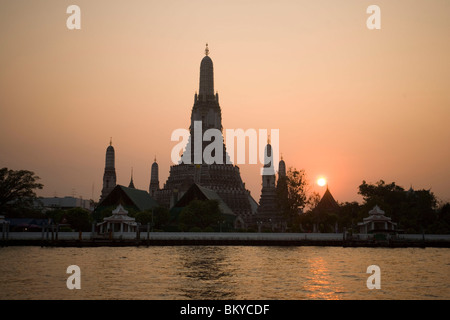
point(321, 182)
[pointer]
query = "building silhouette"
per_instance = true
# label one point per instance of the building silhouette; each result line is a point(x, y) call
point(109, 176)
point(154, 179)
point(221, 177)
point(268, 215)
point(195, 177)
point(326, 208)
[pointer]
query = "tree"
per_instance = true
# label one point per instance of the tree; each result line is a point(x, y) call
point(314, 199)
point(415, 211)
point(57, 215)
point(144, 217)
point(79, 219)
point(160, 217)
point(292, 195)
point(200, 214)
point(349, 215)
point(442, 223)
point(17, 189)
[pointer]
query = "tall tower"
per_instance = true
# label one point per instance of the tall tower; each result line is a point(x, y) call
point(268, 215)
point(154, 179)
point(281, 169)
point(206, 110)
point(282, 189)
point(220, 176)
point(109, 177)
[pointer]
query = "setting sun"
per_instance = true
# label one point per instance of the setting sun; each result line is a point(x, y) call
point(321, 182)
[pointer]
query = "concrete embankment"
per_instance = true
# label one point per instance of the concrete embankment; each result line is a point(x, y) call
point(88, 239)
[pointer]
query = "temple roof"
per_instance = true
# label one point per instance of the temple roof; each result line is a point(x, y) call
point(376, 214)
point(140, 199)
point(201, 193)
point(376, 210)
point(327, 203)
point(119, 215)
point(120, 210)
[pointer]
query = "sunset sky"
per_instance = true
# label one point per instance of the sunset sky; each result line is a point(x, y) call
point(351, 104)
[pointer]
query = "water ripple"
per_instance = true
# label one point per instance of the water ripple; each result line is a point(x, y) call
point(213, 272)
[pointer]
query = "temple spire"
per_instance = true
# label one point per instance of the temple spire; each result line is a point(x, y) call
point(206, 76)
point(131, 185)
point(109, 176)
point(154, 179)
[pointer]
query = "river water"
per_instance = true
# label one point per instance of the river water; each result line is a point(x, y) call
point(224, 272)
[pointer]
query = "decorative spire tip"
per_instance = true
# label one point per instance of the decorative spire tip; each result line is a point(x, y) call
point(206, 50)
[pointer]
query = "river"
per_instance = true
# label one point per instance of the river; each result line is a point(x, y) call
point(224, 272)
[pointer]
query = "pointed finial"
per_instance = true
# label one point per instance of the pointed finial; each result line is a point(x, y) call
point(155, 157)
point(282, 156)
point(268, 139)
point(131, 185)
point(206, 49)
point(110, 141)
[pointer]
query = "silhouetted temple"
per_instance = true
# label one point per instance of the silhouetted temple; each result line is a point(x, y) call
point(327, 203)
point(129, 198)
point(154, 179)
point(326, 206)
point(269, 216)
point(196, 177)
point(223, 178)
point(109, 176)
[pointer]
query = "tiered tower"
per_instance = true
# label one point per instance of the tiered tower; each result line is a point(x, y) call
point(154, 179)
point(221, 176)
point(109, 176)
point(268, 215)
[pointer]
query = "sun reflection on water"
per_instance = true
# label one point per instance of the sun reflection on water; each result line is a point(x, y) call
point(214, 273)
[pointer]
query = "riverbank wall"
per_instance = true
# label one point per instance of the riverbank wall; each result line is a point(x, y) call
point(90, 239)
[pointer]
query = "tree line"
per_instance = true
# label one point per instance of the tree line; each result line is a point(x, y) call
point(414, 211)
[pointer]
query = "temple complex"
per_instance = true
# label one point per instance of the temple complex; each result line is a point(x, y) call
point(198, 176)
point(221, 177)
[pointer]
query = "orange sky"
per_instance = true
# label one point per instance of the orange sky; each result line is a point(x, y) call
point(351, 104)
